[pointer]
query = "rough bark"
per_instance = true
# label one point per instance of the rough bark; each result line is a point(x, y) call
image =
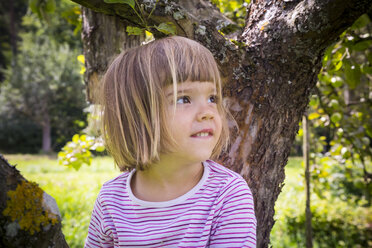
point(11, 233)
point(268, 80)
point(103, 37)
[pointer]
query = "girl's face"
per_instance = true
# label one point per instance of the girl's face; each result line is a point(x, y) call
point(194, 121)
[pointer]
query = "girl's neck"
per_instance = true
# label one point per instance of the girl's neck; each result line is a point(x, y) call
point(166, 180)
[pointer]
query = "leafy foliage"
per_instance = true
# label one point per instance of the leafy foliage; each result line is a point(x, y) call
point(340, 123)
point(11, 13)
point(234, 10)
point(164, 27)
point(134, 30)
point(332, 228)
point(18, 134)
point(337, 222)
point(78, 151)
point(341, 116)
point(42, 7)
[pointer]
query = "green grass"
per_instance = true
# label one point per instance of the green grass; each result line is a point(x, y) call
point(293, 195)
point(74, 191)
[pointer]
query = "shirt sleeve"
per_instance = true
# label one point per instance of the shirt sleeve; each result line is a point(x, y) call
point(99, 235)
point(235, 221)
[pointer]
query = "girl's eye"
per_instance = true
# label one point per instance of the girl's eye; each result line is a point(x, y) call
point(183, 99)
point(213, 99)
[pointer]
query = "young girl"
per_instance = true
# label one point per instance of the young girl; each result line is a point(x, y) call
point(162, 121)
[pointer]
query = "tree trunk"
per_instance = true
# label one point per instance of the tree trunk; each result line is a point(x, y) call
point(21, 227)
point(13, 32)
point(306, 149)
point(268, 79)
point(47, 134)
point(97, 30)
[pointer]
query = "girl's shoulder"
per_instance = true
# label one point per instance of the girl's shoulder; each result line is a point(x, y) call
point(219, 170)
point(226, 183)
point(222, 175)
point(117, 183)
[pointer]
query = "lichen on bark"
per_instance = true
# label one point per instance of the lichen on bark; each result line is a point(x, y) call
point(25, 206)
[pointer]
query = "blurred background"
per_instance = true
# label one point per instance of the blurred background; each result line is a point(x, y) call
point(46, 127)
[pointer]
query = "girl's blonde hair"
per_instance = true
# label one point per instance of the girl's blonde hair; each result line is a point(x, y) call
point(133, 103)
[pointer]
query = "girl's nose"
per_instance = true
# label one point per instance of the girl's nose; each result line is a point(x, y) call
point(205, 114)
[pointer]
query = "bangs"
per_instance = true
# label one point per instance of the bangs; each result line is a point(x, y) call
point(187, 61)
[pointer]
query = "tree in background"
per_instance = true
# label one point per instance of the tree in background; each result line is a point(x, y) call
point(11, 13)
point(44, 86)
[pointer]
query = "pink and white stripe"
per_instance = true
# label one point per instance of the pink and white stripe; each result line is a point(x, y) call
point(217, 212)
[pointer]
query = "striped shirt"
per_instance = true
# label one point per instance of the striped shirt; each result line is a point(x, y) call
point(217, 212)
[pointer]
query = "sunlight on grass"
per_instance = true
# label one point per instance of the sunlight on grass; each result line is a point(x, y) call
point(74, 191)
point(292, 194)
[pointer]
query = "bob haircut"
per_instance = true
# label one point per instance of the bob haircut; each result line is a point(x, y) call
point(133, 103)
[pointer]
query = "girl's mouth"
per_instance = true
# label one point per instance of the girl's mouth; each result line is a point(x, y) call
point(203, 133)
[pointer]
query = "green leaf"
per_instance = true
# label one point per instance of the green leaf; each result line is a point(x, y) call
point(345, 152)
point(336, 82)
point(361, 22)
point(61, 155)
point(100, 148)
point(75, 138)
point(366, 69)
point(34, 6)
point(337, 56)
point(362, 46)
point(368, 131)
point(334, 104)
point(50, 6)
point(81, 58)
point(167, 28)
point(352, 74)
point(134, 30)
point(365, 141)
point(338, 66)
point(131, 3)
point(300, 132)
point(314, 102)
point(327, 90)
point(336, 117)
point(313, 116)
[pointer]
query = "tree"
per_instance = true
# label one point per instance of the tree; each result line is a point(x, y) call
point(44, 74)
point(11, 13)
point(44, 84)
point(269, 69)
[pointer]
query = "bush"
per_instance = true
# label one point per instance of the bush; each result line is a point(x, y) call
point(19, 135)
point(341, 225)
